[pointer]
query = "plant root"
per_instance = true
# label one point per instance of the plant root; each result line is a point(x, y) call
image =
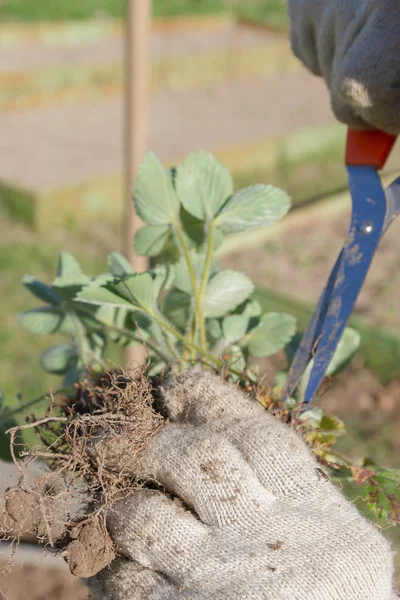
point(89, 445)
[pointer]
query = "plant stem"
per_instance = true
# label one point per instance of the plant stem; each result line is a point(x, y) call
point(168, 327)
point(191, 335)
point(196, 296)
point(183, 339)
point(208, 261)
point(172, 349)
point(206, 274)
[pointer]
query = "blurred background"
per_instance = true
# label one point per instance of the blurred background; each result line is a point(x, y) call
point(222, 78)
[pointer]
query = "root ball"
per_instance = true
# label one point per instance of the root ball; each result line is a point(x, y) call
point(88, 449)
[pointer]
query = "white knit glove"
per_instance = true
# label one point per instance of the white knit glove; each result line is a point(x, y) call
point(245, 514)
point(355, 46)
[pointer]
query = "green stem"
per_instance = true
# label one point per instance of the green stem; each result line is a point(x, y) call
point(193, 281)
point(168, 327)
point(191, 336)
point(172, 348)
point(182, 338)
point(208, 261)
point(212, 359)
point(204, 282)
point(191, 340)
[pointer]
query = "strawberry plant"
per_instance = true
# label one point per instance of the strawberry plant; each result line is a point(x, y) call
point(188, 311)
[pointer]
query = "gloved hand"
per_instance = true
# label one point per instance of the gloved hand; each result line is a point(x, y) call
point(354, 45)
point(245, 513)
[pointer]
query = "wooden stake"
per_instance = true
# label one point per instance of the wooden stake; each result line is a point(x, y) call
point(137, 73)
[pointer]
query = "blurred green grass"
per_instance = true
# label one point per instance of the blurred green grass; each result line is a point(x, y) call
point(272, 12)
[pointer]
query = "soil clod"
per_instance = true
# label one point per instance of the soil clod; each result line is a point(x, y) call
point(19, 506)
point(90, 550)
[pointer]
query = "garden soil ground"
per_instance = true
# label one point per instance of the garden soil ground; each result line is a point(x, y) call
point(164, 44)
point(80, 141)
point(40, 583)
point(77, 142)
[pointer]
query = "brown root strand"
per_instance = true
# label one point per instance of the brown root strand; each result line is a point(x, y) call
point(85, 463)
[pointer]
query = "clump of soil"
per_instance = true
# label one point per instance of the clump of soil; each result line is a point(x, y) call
point(89, 447)
point(90, 549)
point(19, 506)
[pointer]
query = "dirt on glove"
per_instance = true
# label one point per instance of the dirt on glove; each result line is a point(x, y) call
point(89, 446)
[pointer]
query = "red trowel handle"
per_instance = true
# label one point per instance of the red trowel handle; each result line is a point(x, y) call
point(368, 148)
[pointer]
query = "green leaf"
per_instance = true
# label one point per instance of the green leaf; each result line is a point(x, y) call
point(194, 229)
point(177, 308)
point(274, 331)
point(218, 239)
point(155, 198)
point(156, 368)
point(345, 351)
point(119, 265)
point(182, 277)
point(41, 290)
point(67, 324)
point(332, 424)
point(73, 373)
point(163, 278)
point(389, 481)
point(101, 295)
point(138, 288)
point(111, 316)
point(151, 239)
point(225, 291)
point(234, 327)
point(69, 272)
point(107, 314)
point(58, 359)
point(252, 207)
point(43, 320)
point(312, 417)
point(383, 495)
point(236, 359)
point(203, 185)
point(147, 327)
point(213, 330)
point(291, 403)
point(252, 309)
